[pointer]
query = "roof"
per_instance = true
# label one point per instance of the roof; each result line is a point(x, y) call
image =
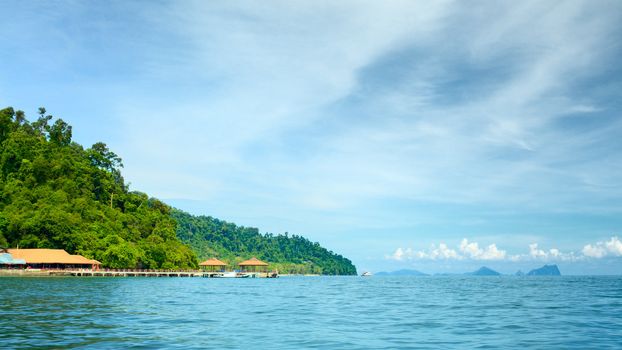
point(79, 259)
point(213, 262)
point(253, 262)
point(7, 259)
point(50, 256)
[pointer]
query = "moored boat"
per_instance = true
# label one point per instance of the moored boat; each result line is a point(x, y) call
point(366, 274)
point(228, 274)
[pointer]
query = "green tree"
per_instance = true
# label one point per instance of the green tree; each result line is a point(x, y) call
point(60, 133)
point(211, 237)
point(55, 194)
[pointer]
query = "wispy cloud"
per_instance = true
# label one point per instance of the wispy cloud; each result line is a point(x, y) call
point(335, 119)
point(333, 109)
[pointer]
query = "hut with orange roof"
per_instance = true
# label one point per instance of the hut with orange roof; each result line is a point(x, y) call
point(53, 259)
point(253, 265)
point(213, 265)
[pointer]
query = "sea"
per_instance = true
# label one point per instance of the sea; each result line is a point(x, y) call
point(437, 312)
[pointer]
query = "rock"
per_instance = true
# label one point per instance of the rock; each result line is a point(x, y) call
point(546, 270)
point(484, 271)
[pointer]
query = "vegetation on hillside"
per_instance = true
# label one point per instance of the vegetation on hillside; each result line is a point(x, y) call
point(56, 194)
point(210, 237)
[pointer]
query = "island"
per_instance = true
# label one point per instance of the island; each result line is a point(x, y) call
point(546, 270)
point(403, 272)
point(57, 195)
point(484, 271)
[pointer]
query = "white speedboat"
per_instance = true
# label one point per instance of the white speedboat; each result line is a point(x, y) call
point(228, 274)
point(366, 274)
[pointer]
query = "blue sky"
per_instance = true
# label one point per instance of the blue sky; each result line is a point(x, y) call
point(438, 135)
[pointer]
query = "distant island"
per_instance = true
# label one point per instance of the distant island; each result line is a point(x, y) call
point(404, 272)
point(484, 271)
point(54, 193)
point(546, 270)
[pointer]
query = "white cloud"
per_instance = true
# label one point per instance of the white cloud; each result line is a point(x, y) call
point(594, 251)
point(470, 248)
point(397, 255)
point(612, 247)
point(467, 250)
point(401, 254)
point(442, 252)
point(492, 253)
point(473, 251)
point(553, 254)
point(536, 253)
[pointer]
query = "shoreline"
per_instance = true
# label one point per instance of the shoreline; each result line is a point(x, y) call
point(127, 273)
point(117, 273)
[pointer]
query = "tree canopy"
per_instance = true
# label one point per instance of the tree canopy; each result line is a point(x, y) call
point(210, 237)
point(56, 194)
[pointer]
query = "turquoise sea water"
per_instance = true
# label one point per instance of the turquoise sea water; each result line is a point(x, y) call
point(312, 312)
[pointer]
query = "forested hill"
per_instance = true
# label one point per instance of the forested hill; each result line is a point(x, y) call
point(56, 194)
point(210, 237)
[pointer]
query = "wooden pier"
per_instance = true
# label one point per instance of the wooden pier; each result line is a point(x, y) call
point(148, 273)
point(128, 273)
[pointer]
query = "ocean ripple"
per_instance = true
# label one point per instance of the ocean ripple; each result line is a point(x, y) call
point(312, 313)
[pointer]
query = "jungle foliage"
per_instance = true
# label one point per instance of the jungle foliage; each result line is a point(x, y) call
point(56, 194)
point(210, 237)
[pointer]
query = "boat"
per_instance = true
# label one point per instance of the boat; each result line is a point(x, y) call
point(366, 274)
point(228, 274)
point(274, 274)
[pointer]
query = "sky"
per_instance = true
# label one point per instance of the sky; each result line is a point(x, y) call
point(432, 135)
